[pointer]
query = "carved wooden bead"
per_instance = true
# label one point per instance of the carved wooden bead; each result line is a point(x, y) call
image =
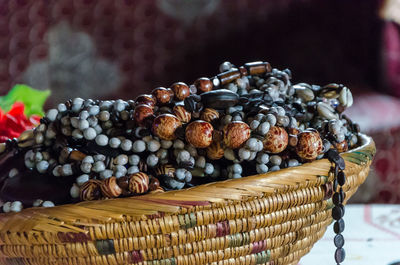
point(199, 133)
point(165, 170)
point(182, 114)
point(236, 133)
point(139, 183)
point(209, 114)
point(203, 84)
point(123, 183)
point(146, 99)
point(342, 146)
point(181, 90)
point(309, 144)
point(163, 95)
point(215, 151)
point(90, 190)
point(276, 140)
point(110, 188)
point(142, 112)
point(165, 125)
point(154, 184)
point(158, 190)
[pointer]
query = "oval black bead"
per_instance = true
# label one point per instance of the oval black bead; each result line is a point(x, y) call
point(337, 212)
point(340, 255)
point(337, 199)
point(335, 185)
point(341, 177)
point(338, 226)
point(342, 194)
point(341, 163)
point(339, 241)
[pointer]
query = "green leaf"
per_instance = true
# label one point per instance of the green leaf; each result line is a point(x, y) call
point(33, 99)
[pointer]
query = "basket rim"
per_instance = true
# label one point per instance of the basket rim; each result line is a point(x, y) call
point(171, 202)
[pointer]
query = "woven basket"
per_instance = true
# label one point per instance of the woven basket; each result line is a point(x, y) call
point(272, 218)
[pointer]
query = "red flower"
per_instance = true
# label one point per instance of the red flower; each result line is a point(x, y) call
point(14, 122)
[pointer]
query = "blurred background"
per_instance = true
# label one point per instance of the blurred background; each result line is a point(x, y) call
point(122, 48)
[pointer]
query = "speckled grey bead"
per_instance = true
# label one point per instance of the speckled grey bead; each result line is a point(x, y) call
point(104, 115)
point(66, 170)
point(138, 146)
point(94, 110)
point(209, 168)
point(105, 174)
point(188, 176)
point(166, 144)
point(264, 128)
point(77, 134)
point(86, 167)
point(52, 114)
point(57, 171)
point(252, 144)
point(263, 158)
point(201, 162)
point(183, 156)
point(119, 105)
point(65, 121)
point(254, 124)
point(283, 121)
point(89, 133)
point(232, 87)
point(13, 172)
point(114, 142)
point(261, 168)
point(98, 166)
point(179, 144)
point(37, 203)
point(7, 207)
point(38, 157)
point(340, 137)
point(275, 160)
point(82, 179)
point(180, 173)
point(42, 166)
point(134, 160)
point(153, 145)
point(126, 145)
point(237, 168)
point(236, 176)
point(152, 160)
point(83, 115)
point(16, 207)
point(281, 111)
point(101, 140)
point(226, 119)
point(121, 160)
point(293, 163)
point(162, 154)
point(105, 105)
point(48, 204)
point(99, 157)
point(98, 129)
point(229, 154)
point(74, 191)
point(271, 119)
point(88, 159)
point(61, 107)
point(133, 170)
point(74, 122)
point(274, 168)
point(93, 121)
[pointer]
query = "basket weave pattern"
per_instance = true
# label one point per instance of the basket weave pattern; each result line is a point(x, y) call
point(272, 218)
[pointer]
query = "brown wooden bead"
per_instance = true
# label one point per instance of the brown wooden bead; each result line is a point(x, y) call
point(215, 151)
point(209, 114)
point(181, 90)
point(229, 76)
point(199, 133)
point(276, 140)
point(293, 140)
point(258, 68)
point(309, 145)
point(158, 190)
point(203, 84)
point(342, 146)
point(165, 125)
point(165, 170)
point(236, 134)
point(77, 155)
point(163, 95)
point(154, 184)
point(139, 183)
point(146, 99)
point(110, 189)
point(90, 190)
point(123, 183)
point(182, 114)
point(141, 113)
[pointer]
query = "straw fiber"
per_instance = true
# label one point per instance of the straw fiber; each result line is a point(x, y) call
point(272, 218)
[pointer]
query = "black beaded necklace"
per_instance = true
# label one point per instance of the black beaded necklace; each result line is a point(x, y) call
point(338, 199)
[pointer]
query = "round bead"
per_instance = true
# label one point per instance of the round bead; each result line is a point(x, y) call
point(181, 90)
point(146, 99)
point(138, 183)
point(82, 179)
point(83, 124)
point(152, 160)
point(48, 204)
point(109, 188)
point(90, 190)
point(166, 144)
point(209, 114)
point(163, 95)
point(104, 115)
point(141, 113)
point(13, 172)
point(42, 166)
point(182, 114)
point(209, 168)
point(153, 145)
point(101, 140)
point(275, 160)
point(138, 146)
point(126, 145)
point(342, 146)
point(244, 153)
point(74, 191)
point(261, 168)
point(105, 174)
point(89, 134)
point(16, 206)
point(98, 166)
point(236, 134)
point(121, 160)
point(165, 125)
point(309, 145)
point(199, 133)
point(154, 184)
point(114, 142)
point(52, 114)
point(276, 140)
point(215, 151)
point(203, 84)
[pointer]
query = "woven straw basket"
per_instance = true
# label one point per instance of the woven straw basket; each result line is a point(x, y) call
point(272, 218)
